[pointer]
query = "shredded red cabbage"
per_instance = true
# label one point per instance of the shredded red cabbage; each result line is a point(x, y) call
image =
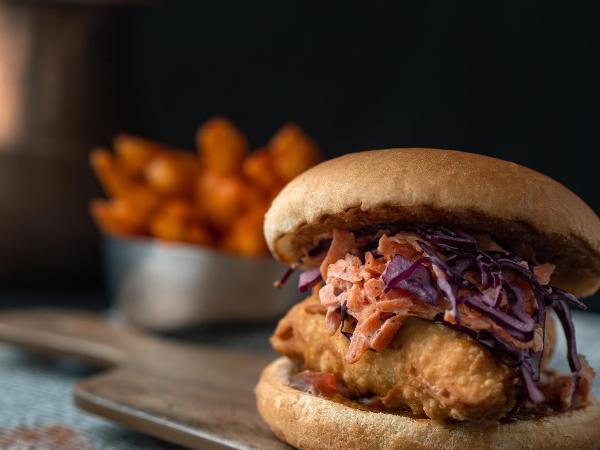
point(511, 323)
point(564, 315)
point(447, 239)
point(308, 279)
point(459, 254)
point(285, 277)
point(412, 277)
point(442, 279)
point(451, 255)
point(533, 392)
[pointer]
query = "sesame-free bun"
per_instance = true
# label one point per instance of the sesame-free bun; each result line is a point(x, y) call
point(417, 185)
point(309, 422)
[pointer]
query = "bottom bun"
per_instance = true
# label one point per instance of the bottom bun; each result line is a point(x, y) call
point(307, 422)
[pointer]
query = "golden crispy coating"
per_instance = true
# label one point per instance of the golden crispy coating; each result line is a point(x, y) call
point(428, 368)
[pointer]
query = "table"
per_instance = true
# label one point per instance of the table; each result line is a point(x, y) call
point(37, 412)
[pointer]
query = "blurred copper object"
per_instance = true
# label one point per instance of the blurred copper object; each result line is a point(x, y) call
point(58, 95)
point(168, 286)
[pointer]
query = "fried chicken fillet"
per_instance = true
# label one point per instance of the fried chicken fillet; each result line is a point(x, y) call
point(428, 368)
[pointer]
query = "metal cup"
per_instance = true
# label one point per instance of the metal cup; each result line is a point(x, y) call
point(169, 286)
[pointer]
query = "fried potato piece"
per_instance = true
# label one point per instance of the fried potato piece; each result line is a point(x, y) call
point(178, 220)
point(224, 199)
point(113, 179)
point(224, 189)
point(171, 175)
point(117, 184)
point(222, 146)
point(259, 169)
point(135, 152)
point(246, 235)
point(293, 151)
point(197, 234)
point(120, 216)
point(428, 367)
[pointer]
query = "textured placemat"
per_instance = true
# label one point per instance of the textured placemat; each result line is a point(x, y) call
point(37, 411)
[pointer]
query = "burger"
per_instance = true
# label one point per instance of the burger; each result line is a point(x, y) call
point(433, 277)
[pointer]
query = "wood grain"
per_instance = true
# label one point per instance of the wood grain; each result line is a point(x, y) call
point(198, 397)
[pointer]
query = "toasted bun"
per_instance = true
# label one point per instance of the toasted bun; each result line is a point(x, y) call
point(415, 185)
point(307, 422)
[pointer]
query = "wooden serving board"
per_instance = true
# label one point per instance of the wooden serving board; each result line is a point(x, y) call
point(194, 396)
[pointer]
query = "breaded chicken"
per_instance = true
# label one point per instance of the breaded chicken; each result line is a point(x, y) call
point(428, 367)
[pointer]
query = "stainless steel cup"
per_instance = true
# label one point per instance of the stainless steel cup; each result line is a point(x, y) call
point(168, 286)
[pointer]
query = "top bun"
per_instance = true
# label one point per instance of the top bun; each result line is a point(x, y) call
point(418, 185)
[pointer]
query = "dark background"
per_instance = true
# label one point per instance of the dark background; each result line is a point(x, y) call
point(516, 80)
